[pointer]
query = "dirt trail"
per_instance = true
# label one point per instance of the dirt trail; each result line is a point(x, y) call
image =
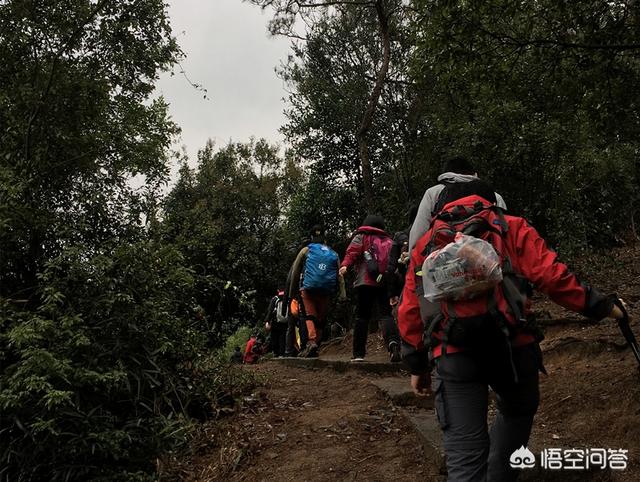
point(320, 425)
point(313, 425)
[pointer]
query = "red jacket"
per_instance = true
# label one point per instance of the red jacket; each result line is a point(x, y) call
point(530, 258)
point(355, 254)
point(251, 352)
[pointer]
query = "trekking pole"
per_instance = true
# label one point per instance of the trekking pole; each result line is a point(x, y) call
point(623, 323)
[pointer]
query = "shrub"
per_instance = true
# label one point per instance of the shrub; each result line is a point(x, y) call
point(108, 371)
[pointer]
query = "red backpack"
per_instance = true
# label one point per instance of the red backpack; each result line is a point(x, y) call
point(468, 318)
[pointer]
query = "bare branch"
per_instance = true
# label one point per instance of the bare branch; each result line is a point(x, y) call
point(509, 39)
point(290, 35)
point(332, 3)
point(367, 118)
point(195, 85)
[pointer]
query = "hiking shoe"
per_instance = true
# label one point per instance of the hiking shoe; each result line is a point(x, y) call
point(357, 359)
point(394, 353)
point(311, 351)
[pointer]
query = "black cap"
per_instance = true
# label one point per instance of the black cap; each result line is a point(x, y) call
point(459, 165)
point(374, 220)
point(317, 234)
point(317, 230)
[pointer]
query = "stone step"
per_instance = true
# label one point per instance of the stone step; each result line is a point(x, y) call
point(398, 391)
point(342, 365)
point(420, 413)
point(425, 423)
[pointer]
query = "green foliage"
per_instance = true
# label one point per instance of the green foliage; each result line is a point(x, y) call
point(239, 338)
point(77, 121)
point(100, 376)
point(226, 217)
point(331, 77)
point(540, 96)
point(103, 359)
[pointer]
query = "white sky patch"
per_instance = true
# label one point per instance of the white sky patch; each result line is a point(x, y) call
point(229, 53)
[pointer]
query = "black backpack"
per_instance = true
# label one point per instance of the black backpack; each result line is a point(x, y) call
point(457, 190)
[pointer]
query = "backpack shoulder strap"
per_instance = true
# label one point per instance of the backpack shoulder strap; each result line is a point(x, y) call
point(442, 196)
point(503, 221)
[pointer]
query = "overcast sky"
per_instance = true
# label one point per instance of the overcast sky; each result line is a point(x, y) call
point(230, 54)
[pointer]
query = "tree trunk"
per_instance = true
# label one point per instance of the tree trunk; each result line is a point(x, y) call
point(367, 118)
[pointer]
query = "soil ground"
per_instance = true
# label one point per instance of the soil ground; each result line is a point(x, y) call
point(591, 396)
point(311, 425)
point(319, 425)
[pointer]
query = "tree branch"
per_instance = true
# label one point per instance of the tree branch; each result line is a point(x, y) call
point(367, 118)
point(505, 38)
point(331, 3)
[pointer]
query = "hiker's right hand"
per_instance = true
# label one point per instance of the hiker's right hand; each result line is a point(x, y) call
point(342, 270)
point(421, 384)
point(616, 312)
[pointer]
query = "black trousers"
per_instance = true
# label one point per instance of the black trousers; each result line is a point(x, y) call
point(278, 338)
point(371, 299)
point(475, 452)
point(294, 322)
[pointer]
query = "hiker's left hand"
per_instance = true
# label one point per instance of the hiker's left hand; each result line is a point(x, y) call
point(404, 258)
point(421, 384)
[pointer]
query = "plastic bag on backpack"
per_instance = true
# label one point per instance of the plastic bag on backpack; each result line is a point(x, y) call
point(461, 270)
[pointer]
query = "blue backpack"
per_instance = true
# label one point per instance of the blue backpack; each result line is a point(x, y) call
point(321, 268)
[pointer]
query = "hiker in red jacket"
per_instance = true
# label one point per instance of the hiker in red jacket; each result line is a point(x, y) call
point(253, 350)
point(368, 253)
point(484, 339)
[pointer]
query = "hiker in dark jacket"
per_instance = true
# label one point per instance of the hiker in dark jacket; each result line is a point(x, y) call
point(292, 320)
point(496, 347)
point(455, 171)
point(399, 260)
point(276, 323)
point(314, 278)
point(371, 291)
point(236, 356)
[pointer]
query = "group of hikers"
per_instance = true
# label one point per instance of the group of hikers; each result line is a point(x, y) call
point(296, 317)
point(452, 293)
